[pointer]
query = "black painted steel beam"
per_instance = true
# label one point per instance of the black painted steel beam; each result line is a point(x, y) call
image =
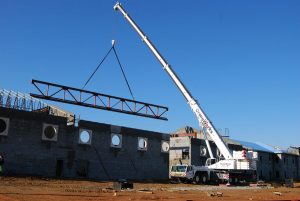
point(71, 95)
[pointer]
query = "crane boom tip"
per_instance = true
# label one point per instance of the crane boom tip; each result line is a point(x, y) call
point(117, 5)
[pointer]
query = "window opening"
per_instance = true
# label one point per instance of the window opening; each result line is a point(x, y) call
point(142, 143)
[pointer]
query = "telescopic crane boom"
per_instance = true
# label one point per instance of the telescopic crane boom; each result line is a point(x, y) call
point(201, 116)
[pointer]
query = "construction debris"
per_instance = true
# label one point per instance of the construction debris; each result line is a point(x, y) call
point(289, 183)
point(277, 193)
point(122, 184)
point(219, 194)
point(145, 190)
point(213, 194)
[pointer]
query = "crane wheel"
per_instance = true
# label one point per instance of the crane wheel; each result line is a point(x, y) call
point(204, 178)
point(197, 178)
point(200, 178)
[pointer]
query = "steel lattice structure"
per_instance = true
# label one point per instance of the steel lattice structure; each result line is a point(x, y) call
point(20, 101)
point(75, 96)
point(23, 101)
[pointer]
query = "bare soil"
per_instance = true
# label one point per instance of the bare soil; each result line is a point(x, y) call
point(37, 189)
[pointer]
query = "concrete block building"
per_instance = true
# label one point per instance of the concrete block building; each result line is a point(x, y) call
point(274, 164)
point(35, 143)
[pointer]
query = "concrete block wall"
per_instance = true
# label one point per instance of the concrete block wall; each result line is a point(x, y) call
point(196, 156)
point(277, 166)
point(23, 150)
point(195, 145)
point(270, 166)
point(266, 166)
point(27, 154)
point(180, 151)
point(127, 161)
point(288, 166)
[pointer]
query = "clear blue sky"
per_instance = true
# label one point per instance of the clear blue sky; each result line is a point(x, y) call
point(240, 59)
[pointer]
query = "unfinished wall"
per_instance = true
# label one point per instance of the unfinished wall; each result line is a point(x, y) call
point(266, 165)
point(180, 151)
point(200, 152)
point(196, 150)
point(288, 166)
point(277, 166)
point(270, 166)
point(27, 153)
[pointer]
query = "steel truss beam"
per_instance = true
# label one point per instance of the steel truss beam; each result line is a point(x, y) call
point(70, 95)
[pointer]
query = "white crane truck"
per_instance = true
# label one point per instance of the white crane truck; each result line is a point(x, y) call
point(234, 165)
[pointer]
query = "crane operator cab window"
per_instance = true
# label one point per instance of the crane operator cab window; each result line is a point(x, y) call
point(179, 168)
point(189, 168)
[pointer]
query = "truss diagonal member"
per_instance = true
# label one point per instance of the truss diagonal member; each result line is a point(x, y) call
point(38, 88)
point(162, 113)
point(71, 95)
point(116, 104)
point(99, 97)
point(127, 106)
point(141, 108)
point(88, 98)
point(56, 92)
point(8, 101)
point(152, 111)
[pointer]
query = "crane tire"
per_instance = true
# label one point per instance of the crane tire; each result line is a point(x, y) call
point(197, 178)
point(204, 178)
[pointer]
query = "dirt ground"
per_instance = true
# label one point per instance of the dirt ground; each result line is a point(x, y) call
point(33, 189)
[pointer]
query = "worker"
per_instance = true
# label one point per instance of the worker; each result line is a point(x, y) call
point(1, 164)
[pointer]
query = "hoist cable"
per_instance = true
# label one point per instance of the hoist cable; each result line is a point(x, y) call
point(120, 65)
point(97, 67)
point(123, 72)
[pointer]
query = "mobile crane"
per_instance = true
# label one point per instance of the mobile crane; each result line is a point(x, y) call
point(232, 162)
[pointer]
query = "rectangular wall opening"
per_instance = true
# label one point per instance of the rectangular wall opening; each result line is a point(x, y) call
point(59, 167)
